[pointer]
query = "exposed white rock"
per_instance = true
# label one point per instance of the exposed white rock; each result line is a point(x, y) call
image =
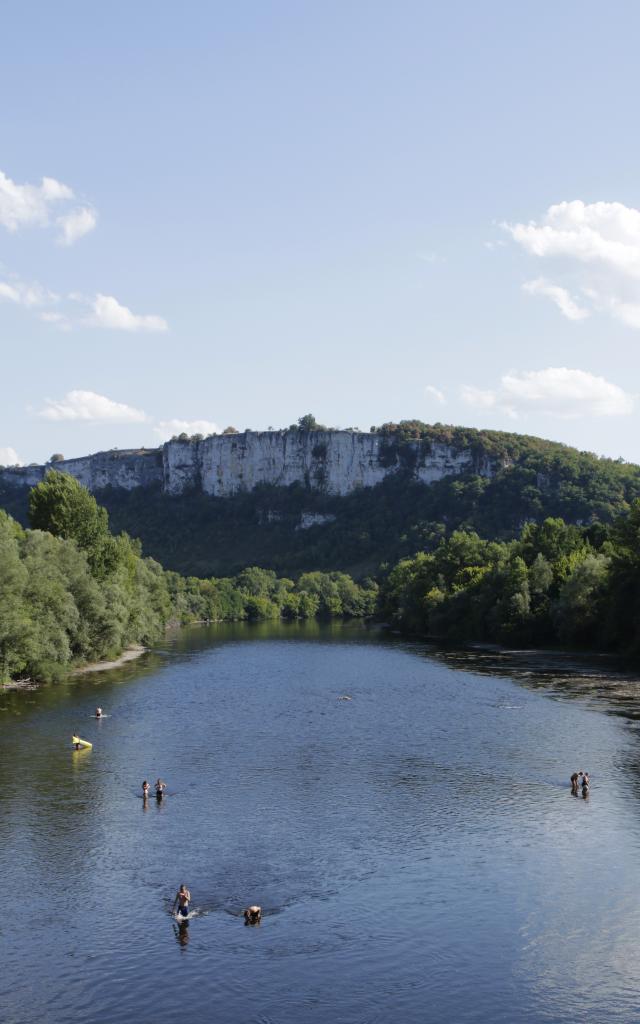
point(332, 461)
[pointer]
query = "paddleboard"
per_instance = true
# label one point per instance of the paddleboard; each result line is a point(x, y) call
point(84, 744)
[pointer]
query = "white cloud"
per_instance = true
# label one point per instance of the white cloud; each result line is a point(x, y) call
point(556, 391)
point(76, 224)
point(22, 205)
point(567, 306)
point(32, 206)
point(599, 245)
point(9, 457)
point(435, 393)
point(108, 312)
point(24, 294)
point(87, 405)
point(168, 428)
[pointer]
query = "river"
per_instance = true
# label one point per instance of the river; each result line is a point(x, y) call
point(416, 850)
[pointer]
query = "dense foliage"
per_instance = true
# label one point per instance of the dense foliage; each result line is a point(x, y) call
point(532, 480)
point(71, 592)
point(557, 583)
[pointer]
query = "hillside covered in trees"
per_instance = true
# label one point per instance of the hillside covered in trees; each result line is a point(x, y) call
point(71, 592)
point(534, 479)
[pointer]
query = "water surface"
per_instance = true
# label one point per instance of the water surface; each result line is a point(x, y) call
point(416, 850)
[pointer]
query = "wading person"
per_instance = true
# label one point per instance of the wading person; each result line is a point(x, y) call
point(182, 900)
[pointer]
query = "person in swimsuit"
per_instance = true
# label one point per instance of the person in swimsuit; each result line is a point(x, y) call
point(585, 785)
point(574, 782)
point(145, 789)
point(160, 788)
point(98, 712)
point(252, 915)
point(182, 900)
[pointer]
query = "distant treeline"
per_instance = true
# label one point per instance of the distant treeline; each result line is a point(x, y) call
point(71, 592)
point(555, 584)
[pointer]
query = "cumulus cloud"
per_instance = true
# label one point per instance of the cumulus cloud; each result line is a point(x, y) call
point(567, 306)
point(435, 393)
point(88, 406)
point(556, 391)
point(598, 245)
point(108, 312)
point(32, 205)
point(9, 457)
point(76, 224)
point(168, 428)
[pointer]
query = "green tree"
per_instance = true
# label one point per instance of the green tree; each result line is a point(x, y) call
point(62, 506)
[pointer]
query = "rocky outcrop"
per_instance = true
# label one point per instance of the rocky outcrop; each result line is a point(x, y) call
point(332, 461)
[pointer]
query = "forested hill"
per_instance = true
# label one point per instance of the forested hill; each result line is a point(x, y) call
point(303, 528)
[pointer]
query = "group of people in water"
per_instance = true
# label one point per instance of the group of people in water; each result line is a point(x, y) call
point(252, 915)
point(580, 782)
point(160, 788)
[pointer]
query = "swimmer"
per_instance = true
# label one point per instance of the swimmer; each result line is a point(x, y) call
point(575, 781)
point(145, 789)
point(182, 900)
point(98, 712)
point(253, 915)
point(585, 785)
point(160, 788)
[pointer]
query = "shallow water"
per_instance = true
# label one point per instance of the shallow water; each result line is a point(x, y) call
point(416, 851)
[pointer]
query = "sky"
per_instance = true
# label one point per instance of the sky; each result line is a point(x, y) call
point(218, 214)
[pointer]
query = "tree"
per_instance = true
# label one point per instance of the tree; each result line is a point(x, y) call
point(63, 507)
point(309, 422)
point(230, 430)
point(15, 621)
point(57, 457)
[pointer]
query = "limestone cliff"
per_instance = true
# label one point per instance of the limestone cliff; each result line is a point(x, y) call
point(332, 461)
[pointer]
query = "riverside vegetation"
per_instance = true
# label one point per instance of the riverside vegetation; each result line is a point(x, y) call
point(71, 592)
point(556, 583)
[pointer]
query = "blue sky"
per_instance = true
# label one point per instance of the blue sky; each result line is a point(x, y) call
point(369, 211)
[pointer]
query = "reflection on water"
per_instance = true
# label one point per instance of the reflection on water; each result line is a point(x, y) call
point(416, 849)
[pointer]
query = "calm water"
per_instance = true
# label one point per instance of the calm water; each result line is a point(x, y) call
point(416, 850)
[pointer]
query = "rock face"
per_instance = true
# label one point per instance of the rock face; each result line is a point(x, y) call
point(333, 461)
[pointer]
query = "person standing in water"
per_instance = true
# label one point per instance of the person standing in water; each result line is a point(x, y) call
point(98, 712)
point(182, 901)
point(585, 785)
point(160, 788)
point(145, 790)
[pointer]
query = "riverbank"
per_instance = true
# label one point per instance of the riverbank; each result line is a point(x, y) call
point(130, 654)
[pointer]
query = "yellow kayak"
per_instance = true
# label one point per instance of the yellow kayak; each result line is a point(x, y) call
point(77, 742)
